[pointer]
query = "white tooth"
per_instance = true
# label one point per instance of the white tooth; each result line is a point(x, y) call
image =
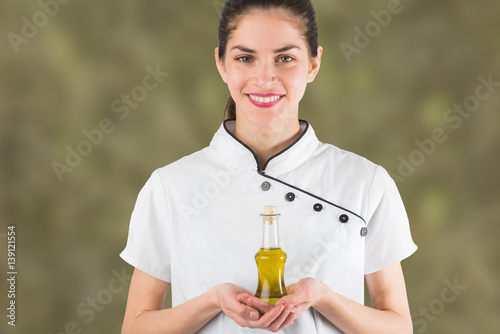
point(264, 100)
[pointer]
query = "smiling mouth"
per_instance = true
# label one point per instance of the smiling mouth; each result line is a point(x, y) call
point(266, 99)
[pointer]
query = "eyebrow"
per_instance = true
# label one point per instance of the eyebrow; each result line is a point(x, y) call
point(248, 50)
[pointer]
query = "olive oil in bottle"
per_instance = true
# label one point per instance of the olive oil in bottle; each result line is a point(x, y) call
point(270, 260)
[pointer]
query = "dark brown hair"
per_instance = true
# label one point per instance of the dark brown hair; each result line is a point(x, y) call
point(235, 9)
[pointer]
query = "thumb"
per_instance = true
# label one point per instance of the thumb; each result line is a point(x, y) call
point(243, 311)
point(250, 313)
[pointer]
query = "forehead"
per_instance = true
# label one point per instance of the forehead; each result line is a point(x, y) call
point(267, 28)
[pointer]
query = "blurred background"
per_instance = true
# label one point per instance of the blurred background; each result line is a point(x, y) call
point(75, 151)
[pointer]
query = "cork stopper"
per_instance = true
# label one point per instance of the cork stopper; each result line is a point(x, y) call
point(270, 214)
point(270, 209)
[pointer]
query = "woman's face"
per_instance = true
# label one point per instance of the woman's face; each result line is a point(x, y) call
point(267, 67)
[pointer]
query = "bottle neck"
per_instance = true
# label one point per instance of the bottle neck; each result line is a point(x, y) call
point(270, 238)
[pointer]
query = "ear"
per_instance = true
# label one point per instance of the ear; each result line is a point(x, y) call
point(314, 65)
point(220, 65)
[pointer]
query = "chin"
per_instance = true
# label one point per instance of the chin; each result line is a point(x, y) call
point(264, 119)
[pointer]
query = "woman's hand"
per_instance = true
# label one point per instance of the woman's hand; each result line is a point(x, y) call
point(300, 296)
point(231, 299)
point(390, 312)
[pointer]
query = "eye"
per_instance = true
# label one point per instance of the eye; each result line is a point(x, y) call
point(285, 59)
point(244, 59)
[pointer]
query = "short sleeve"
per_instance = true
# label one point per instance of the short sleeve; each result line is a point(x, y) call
point(148, 248)
point(389, 239)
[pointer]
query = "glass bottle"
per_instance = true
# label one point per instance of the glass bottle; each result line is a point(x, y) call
point(270, 260)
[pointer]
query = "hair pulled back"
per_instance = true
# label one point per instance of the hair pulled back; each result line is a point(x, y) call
point(233, 10)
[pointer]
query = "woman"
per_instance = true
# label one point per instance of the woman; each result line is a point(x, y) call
point(196, 222)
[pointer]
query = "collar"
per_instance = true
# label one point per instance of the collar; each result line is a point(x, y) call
point(286, 160)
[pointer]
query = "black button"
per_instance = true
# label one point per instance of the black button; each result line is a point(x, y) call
point(265, 186)
point(344, 218)
point(290, 197)
point(318, 207)
point(364, 231)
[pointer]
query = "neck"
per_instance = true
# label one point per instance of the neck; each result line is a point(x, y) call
point(268, 141)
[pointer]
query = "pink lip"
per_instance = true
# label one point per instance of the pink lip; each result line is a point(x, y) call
point(263, 104)
point(265, 95)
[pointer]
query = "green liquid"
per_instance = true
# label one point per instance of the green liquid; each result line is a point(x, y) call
point(270, 264)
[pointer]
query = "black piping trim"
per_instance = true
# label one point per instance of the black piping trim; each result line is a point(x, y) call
point(242, 143)
point(312, 195)
point(263, 172)
point(274, 156)
point(286, 149)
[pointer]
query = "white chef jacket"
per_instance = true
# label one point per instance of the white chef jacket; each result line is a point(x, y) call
point(197, 224)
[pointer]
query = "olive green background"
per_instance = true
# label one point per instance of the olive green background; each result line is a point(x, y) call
point(395, 91)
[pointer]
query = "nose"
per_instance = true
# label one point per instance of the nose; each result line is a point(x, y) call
point(266, 75)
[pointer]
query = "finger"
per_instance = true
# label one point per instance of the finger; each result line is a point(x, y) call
point(242, 297)
point(258, 304)
point(242, 310)
point(299, 308)
point(248, 313)
point(296, 308)
point(253, 302)
point(288, 322)
point(289, 301)
point(267, 319)
point(276, 324)
point(243, 318)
